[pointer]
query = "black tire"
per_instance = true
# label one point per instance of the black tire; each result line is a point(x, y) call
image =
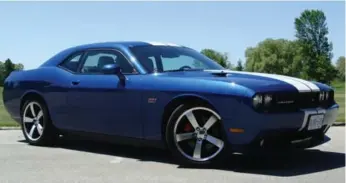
point(49, 133)
point(173, 147)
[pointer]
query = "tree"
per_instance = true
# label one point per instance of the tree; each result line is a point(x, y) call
point(6, 68)
point(2, 73)
point(239, 66)
point(340, 67)
point(218, 57)
point(277, 56)
point(311, 32)
point(19, 67)
point(9, 67)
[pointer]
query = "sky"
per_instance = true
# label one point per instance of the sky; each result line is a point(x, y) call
point(32, 32)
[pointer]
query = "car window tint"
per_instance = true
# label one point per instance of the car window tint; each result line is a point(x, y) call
point(167, 58)
point(178, 62)
point(95, 60)
point(72, 63)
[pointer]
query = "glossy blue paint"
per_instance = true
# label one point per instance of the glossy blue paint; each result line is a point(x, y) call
point(101, 103)
point(111, 69)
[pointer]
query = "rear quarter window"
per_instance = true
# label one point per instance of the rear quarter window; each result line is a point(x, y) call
point(72, 62)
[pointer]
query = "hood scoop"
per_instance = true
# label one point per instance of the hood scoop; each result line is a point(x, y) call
point(221, 74)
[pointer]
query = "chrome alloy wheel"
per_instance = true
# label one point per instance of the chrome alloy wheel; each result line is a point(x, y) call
point(33, 121)
point(197, 134)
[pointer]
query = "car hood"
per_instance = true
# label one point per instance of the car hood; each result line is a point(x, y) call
point(259, 82)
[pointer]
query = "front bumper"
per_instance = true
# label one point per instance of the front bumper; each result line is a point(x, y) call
point(283, 140)
point(278, 130)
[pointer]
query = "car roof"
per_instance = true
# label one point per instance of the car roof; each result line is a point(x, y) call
point(120, 44)
point(57, 58)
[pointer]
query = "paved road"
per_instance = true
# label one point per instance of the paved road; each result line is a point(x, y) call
point(91, 162)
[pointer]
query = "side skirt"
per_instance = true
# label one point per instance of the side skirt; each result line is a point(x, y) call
point(113, 139)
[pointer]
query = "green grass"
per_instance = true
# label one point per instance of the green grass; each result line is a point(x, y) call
point(340, 99)
point(6, 120)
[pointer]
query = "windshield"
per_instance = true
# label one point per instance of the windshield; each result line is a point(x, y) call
point(172, 58)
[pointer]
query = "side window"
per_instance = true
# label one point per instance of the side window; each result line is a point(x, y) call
point(72, 62)
point(95, 60)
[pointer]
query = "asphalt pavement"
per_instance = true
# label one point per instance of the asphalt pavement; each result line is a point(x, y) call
point(82, 161)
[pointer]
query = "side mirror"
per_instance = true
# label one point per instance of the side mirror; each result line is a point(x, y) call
point(114, 69)
point(111, 69)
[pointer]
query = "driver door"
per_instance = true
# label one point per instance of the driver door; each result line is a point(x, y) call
point(98, 102)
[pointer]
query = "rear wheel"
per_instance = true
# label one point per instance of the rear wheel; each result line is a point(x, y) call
point(36, 124)
point(195, 135)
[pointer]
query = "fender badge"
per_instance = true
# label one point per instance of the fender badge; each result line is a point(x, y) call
point(151, 100)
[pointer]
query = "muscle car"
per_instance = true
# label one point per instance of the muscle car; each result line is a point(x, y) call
point(170, 96)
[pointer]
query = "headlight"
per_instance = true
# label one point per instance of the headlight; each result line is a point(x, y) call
point(257, 100)
point(327, 95)
point(267, 100)
point(321, 96)
point(260, 100)
point(324, 96)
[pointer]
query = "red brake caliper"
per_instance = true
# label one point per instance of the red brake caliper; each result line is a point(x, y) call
point(187, 127)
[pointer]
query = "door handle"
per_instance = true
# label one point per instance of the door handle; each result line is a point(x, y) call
point(75, 82)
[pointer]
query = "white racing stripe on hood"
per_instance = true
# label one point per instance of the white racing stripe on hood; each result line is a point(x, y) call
point(299, 84)
point(161, 44)
point(311, 85)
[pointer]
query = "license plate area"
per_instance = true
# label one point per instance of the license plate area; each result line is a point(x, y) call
point(315, 121)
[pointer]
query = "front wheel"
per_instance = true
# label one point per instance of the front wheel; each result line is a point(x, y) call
point(195, 135)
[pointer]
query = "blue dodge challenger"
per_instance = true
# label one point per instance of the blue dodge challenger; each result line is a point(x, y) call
point(169, 96)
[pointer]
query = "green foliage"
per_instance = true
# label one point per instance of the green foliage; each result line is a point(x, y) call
point(221, 58)
point(9, 67)
point(19, 67)
point(277, 56)
point(6, 68)
point(308, 57)
point(340, 67)
point(316, 53)
point(239, 66)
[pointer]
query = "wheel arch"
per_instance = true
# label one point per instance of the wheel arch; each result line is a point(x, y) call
point(181, 100)
point(31, 95)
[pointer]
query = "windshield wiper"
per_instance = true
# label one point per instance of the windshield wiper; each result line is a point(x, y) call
point(179, 70)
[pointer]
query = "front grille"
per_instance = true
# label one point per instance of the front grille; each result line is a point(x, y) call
point(297, 101)
point(308, 100)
